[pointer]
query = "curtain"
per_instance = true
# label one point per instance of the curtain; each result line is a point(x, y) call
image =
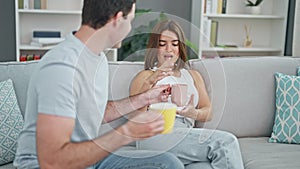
point(296, 39)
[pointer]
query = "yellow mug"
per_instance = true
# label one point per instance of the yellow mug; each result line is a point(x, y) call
point(168, 110)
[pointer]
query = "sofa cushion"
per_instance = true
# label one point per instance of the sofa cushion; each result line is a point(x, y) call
point(287, 118)
point(257, 153)
point(11, 122)
point(19, 73)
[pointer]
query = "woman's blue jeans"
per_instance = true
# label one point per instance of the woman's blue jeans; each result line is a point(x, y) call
point(196, 146)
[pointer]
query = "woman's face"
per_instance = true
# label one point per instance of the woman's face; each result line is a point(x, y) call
point(168, 47)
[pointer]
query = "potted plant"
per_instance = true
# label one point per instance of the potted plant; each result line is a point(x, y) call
point(253, 6)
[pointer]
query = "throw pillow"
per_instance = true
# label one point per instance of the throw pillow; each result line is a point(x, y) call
point(286, 127)
point(11, 122)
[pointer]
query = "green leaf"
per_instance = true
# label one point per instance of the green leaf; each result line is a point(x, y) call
point(139, 12)
point(258, 2)
point(250, 3)
point(192, 46)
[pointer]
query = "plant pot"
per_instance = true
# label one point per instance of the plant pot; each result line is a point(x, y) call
point(255, 10)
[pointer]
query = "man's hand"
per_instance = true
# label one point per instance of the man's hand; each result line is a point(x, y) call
point(144, 125)
point(159, 93)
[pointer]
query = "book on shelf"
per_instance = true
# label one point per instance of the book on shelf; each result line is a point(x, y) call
point(43, 4)
point(219, 6)
point(46, 34)
point(36, 44)
point(204, 7)
point(47, 40)
point(214, 33)
point(205, 40)
point(36, 57)
point(27, 57)
point(23, 58)
point(43, 42)
point(215, 6)
point(224, 6)
point(20, 4)
point(37, 4)
point(26, 4)
point(208, 6)
point(32, 4)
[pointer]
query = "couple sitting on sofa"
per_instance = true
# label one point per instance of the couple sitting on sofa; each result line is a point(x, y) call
point(67, 114)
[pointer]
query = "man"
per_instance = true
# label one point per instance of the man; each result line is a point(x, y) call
point(67, 101)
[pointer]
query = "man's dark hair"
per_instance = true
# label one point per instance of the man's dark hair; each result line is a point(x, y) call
point(96, 13)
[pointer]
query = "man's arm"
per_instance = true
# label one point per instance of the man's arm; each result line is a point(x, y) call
point(117, 109)
point(55, 149)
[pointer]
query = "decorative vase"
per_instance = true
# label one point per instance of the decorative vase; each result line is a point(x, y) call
point(248, 40)
point(255, 10)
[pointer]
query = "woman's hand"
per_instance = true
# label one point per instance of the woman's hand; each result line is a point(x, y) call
point(203, 114)
point(166, 69)
point(189, 110)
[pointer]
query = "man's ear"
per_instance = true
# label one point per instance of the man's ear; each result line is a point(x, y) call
point(117, 18)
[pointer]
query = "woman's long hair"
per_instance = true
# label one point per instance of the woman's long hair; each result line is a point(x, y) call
point(153, 44)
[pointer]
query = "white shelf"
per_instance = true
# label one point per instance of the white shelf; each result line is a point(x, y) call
point(111, 53)
point(267, 30)
point(241, 16)
point(29, 47)
point(242, 49)
point(63, 16)
point(45, 11)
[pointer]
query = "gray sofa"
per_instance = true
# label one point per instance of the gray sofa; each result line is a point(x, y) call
point(242, 91)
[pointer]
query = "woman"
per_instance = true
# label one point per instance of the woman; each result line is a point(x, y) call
point(166, 63)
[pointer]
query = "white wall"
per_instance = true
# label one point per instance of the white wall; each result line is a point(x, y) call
point(180, 8)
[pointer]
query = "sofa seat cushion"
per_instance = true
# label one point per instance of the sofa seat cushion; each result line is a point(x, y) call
point(258, 153)
point(8, 166)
